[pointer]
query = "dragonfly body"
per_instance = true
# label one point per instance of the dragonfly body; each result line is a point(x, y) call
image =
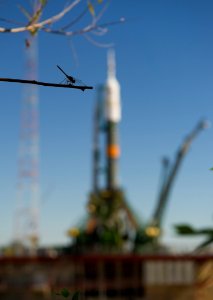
point(70, 78)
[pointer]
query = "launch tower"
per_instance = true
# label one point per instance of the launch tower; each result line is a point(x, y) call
point(110, 224)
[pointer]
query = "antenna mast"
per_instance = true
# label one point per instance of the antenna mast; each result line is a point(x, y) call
point(27, 211)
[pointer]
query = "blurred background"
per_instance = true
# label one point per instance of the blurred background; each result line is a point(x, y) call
point(159, 74)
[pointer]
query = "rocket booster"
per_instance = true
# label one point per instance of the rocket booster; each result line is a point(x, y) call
point(96, 141)
point(112, 109)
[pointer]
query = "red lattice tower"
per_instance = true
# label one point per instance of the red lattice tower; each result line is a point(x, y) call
point(27, 211)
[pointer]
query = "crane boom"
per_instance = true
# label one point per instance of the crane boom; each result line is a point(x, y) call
point(167, 186)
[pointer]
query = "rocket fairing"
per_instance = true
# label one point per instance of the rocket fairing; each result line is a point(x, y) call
point(112, 92)
point(112, 109)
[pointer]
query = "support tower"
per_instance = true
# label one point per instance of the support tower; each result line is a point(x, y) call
point(110, 225)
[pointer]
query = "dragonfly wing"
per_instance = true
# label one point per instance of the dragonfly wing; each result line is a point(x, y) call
point(79, 82)
point(64, 81)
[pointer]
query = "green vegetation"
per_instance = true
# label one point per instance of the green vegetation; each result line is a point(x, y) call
point(66, 293)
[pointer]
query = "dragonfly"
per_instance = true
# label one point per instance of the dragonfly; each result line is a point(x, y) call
point(70, 80)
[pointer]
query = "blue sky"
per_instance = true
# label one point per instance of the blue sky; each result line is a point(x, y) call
point(165, 69)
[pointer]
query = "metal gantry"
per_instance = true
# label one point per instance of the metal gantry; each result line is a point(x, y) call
point(26, 230)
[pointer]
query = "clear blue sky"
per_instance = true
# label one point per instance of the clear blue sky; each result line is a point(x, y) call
point(164, 59)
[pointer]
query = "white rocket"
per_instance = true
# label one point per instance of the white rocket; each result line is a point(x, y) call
point(112, 111)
